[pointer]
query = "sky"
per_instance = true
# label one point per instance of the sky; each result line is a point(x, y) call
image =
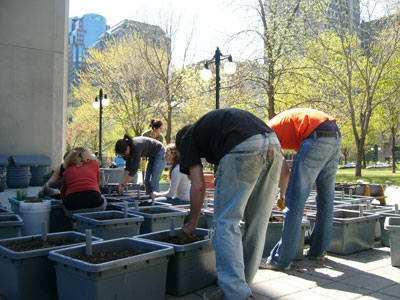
point(214, 20)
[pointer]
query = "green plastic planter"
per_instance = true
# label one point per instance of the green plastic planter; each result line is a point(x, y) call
point(351, 232)
point(192, 267)
point(136, 277)
point(392, 224)
point(29, 275)
point(160, 219)
point(113, 224)
point(10, 226)
point(274, 233)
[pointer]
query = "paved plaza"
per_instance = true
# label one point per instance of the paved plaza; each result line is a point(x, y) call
point(364, 275)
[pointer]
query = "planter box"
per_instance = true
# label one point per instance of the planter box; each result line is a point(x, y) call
point(385, 236)
point(192, 267)
point(4, 210)
point(350, 232)
point(164, 186)
point(141, 204)
point(59, 222)
point(137, 277)
point(29, 274)
point(160, 219)
point(274, 233)
point(10, 228)
point(392, 224)
point(113, 226)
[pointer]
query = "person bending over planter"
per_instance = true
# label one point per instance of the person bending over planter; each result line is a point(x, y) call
point(249, 161)
point(80, 190)
point(132, 149)
point(316, 138)
point(179, 183)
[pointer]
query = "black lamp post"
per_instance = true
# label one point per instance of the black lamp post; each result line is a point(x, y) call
point(98, 103)
point(229, 68)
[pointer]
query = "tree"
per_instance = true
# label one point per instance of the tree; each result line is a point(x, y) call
point(356, 68)
point(280, 27)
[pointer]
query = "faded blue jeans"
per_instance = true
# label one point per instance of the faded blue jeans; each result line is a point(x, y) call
point(317, 161)
point(154, 169)
point(245, 189)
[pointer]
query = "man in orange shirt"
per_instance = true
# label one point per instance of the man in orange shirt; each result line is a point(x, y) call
point(315, 137)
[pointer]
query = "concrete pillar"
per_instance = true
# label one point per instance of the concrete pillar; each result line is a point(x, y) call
point(33, 77)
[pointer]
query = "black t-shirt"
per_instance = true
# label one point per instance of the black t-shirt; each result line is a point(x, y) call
point(142, 147)
point(216, 133)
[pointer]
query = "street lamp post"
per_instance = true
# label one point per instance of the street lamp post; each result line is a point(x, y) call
point(99, 102)
point(229, 68)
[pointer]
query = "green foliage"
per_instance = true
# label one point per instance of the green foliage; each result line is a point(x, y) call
point(21, 195)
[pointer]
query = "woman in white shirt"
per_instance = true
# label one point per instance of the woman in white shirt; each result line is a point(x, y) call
point(179, 182)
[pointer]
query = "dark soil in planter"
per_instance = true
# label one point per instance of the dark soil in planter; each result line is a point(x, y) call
point(8, 219)
point(275, 219)
point(180, 240)
point(107, 218)
point(153, 212)
point(33, 200)
point(37, 243)
point(102, 257)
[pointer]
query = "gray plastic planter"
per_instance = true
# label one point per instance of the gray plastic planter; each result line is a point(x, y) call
point(203, 221)
point(29, 275)
point(392, 224)
point(192, 267)
point(137, 277)
point(385, 236)
point(114, 225)
point(350, 232)
point(10, 228)
point(274, 233)
point(160, 220)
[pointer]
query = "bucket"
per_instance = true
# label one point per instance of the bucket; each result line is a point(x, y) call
point(33, 214)
point(37, 175)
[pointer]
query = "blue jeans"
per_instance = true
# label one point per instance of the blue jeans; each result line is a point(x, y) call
point(154, 169)
point(317, 161)
point(245, 189)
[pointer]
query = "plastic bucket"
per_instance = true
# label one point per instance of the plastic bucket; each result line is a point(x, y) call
point(18, 177)
point(33, 214)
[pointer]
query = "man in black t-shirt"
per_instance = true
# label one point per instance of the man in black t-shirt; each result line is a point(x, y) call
point(249, 161)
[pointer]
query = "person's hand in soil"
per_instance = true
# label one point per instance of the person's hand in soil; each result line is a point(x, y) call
point(188, 229)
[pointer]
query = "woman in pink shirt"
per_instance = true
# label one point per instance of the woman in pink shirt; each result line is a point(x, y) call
point(80, 190)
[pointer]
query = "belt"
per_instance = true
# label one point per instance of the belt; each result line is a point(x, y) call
point(318, 134)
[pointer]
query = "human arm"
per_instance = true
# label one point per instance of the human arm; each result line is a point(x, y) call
point(54, 177)
point(197, 192)
point(174, 183)
point(124, 180)
point(284, 179)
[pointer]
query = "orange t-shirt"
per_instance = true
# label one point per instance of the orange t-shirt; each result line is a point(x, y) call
point(294, 125)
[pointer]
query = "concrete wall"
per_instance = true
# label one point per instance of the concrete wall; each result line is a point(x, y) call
point(33, 77)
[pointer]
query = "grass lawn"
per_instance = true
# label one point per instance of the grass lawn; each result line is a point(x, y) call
point(379, 175)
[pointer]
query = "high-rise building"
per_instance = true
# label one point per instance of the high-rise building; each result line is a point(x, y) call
point(83, 33)
point(153, 33)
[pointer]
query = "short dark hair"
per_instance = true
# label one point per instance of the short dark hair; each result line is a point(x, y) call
point(179, 136)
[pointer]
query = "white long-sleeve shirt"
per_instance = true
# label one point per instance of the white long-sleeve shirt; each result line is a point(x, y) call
point(179, 185)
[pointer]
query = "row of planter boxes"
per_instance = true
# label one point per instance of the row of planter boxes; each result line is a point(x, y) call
point(163, 267)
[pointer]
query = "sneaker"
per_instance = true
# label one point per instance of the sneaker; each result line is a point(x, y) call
point(216, 294)
point(266, 265)
point(319, 258)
